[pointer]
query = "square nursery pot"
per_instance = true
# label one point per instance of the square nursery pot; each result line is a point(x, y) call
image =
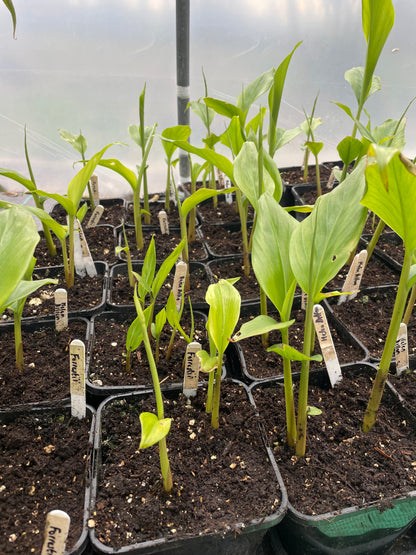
point(45, 457)
point(212, 471)
point(357, 520)
point(164, 243)
point(45, 377)
point(225, 213)
point(114, 211)
point(223, 241)
point(389, 247)
point(232, 266)
point(368, 316)
point(85, 298)
point(120, 293)
point(106, 365)
point(258, 364)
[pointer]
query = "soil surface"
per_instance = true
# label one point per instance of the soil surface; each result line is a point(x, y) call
point(343, 466)
point(295, 176)
point(224, 213)
point(45, 376)
point(155, 208)
point(247, 286)
point(44, 461)
point(368, 317)
point(377, 272)
point(405, 385)
point(114, 212)
point(262, 364)
point(220, 477)
point(223, 240)
point(108, 361)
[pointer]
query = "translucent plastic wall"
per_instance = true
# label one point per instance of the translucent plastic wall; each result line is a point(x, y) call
point(81, 64)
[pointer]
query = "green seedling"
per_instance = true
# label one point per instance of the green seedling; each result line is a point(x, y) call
point(134, 180)
point(70, 203)
point(308, 127)
point(174, 316)
point(196, 170)
point(313, 146)
point(9, 5)
point(79, 142)
point(30, 185)
point(126, 250)
point(390, 194)
point(180, 133)
point(140, 134)
point(319, 246)
point(156, 329)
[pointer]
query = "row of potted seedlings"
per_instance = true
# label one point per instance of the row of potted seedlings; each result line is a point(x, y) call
point(229, 431)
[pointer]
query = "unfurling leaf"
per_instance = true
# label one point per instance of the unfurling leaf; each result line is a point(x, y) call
point(153, 429)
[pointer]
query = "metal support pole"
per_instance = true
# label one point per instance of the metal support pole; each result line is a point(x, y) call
point(182, 77)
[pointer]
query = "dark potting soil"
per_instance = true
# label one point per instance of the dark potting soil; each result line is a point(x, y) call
point(392, 245)
point(43, 461)
point(376, 273)
point(121, 293)
point(86, 294)
point(220, 477)
point(108, 361)
point(224, 212)
point(295, 176)
point(262, 364)
point(155, 208)
point(165, 245)
point(247, 286)
point(45, 376)
point(100, 240)
point(368, 317)
point(405, 384)
point(112, 215)
point(343, 467)
point(221, 240)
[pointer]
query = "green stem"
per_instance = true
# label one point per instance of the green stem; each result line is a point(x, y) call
point(46, 231)
point(137, 218)
point(18, 343)
point(215, 415)
point(289, 400)
point(213, 185)
point(211, 380)
point(305, 164)
point(383, 369)
point(410, 305)
point(70, 281)
point(243, 221)
point(263, 311)
point(376, 236)
point(146, 199)
point(318, 178)
point(170, 346)
point(167, 190)
point(66, 261)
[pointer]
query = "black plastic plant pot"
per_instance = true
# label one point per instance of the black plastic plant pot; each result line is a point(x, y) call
point(257, 364)
point(120, 293)
point(46, 465)
point(232, 266)
point(45, 377)
point(358, 528)
point(223, 241)
point(106, 369)
point(40, 304)
point(389, 247)
point(237, 535)
point(165, 244)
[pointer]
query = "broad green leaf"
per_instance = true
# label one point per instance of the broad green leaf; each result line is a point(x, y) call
point(208, 363)
point(254, 90)
point(18, 239)
point(199, 196)
point(259, 325)
point(172, 313)
point(177, 133)
point(81, 212)
point(378, 20)
point(136, 332)
point(10, 7)
point(59, 230)
point(26, 288)
point(273, 171)
point(135, 135)
point(224, 301)
point(232, 136)
point(153, 429)
point(196, 169)
point(306, 125)
point(224, 108)
point(19, 178)
point(65, 202)
point(314, 146)
point(205, 113)
point(214, 158)
point(323, 242)
point(355, 76)
point(121, 169)
point(301, 208)
point(349, 149)
point(148, 270)
point(288, 352)
point(390, 133)
point(270, 254)
point(391, 194)
point(284, 136)
point(165, 268)
point(253, 124)
point(160, 321)
point(77, 141)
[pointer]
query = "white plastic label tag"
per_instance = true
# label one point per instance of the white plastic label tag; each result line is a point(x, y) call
point(61, 309)
point(164, 223)
point(94, 189)
point(401, 350)
point(179, 281)
point(95, 216)
point(77, 378)
point(327, 345)
point(192, 365)
point(56, 532)
point(353, 279)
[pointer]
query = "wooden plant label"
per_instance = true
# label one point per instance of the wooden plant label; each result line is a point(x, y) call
point(353, 279)
point(327, 345)
point(56, 532)
point(164, 223)
point(77, 378)
point(220, 178)
point(179, 282)
point(192, 365)
point(401, 350)
point(94, 189)
point(61, 309)
point(84, 264)
point(228, 196)
point(303, 300)
point(95, 216)
point(331, 179)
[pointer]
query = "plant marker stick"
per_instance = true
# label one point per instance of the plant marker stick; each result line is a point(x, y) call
point(95, 216)
point(164, 223)
point(77, 378)
point(94, 189)
point(192, 365)
point(228, 196)
point(401, 350)
point(304, 299)
point(86, 262)
point(331, 180)
point(220, 176)
point(327, 345)
point(56, 532)
point(179, 282)
point(353, 279)
point(61, 309)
